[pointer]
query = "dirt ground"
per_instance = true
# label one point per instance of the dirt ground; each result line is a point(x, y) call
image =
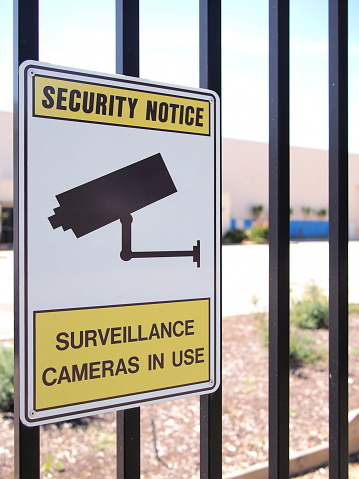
point(170, 430)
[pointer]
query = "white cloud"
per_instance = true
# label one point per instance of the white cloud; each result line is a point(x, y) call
point(169, 38)
point(91, 37)
point(309, 47)
point(245, 43)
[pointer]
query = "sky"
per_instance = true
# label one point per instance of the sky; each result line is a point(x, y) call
point(81, 34)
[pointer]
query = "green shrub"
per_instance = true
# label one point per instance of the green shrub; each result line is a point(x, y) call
point(322, 213)
point(353, 308)
point(312, 311)
point(235, 236)
point(6, 378)
point(303, 350)
point(260, 321)
point(258, 233)
point(257, 210)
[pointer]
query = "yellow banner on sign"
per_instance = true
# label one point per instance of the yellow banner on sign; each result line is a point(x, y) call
point(94, 103)
point(93, 354)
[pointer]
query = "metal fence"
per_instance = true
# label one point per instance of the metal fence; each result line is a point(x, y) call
point(27, 449)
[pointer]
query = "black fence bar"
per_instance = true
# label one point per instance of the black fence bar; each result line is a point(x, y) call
point(338, 239)
point(128, 63)
point(26, 47)
point(128, 37)
point(279, 239)
point(128, 444)
point(210, 62)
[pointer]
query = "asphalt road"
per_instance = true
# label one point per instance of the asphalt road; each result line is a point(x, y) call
point(245, 277)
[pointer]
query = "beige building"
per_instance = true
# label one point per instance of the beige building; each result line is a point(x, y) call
point(245, 183)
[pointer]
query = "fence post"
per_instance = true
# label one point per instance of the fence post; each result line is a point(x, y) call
point(127, 37)
point(210, 77)
point(338, 239)
point(279, 239)
point(127, 63)
point(26, 47)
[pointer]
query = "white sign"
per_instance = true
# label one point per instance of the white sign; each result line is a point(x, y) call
point(119, 242)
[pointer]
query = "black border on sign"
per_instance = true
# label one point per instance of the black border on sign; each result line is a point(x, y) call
point(216, 355)
point(208, 300)
point(117, 124)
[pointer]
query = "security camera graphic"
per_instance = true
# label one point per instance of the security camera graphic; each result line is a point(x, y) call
point(116, 196)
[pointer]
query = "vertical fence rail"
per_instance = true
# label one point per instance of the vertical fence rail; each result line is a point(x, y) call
point(128, 63)
point(338, 239)
point(128, 444)
point(279, 239)
point(128, 37)
point(26, 47)
point(210, 77)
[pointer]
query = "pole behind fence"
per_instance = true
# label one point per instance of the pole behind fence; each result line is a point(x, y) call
point(338, 239)
point(279, 239)
point(128, 63)
point(26, 47)
point(210, 77)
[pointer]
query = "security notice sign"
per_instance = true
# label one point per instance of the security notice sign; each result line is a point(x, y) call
point(119, 242)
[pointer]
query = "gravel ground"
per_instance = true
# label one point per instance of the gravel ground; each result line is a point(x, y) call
point(170, 430)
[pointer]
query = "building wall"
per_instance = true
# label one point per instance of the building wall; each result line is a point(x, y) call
point(245, 177)
point(245, 180)
point(6, 160)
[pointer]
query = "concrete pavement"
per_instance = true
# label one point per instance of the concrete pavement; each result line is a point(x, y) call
point(245, 277)
point(245, 273)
